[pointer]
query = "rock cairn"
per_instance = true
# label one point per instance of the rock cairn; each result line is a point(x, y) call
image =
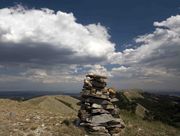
point(98, 115)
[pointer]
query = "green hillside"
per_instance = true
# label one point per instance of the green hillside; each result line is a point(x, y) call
point(151, 106)
point(136, 126)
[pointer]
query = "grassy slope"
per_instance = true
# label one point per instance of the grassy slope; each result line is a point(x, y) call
point(40, 116)
point(163, 108)
point(60, 104)
point(136, 126)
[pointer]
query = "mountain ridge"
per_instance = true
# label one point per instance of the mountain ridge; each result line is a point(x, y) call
point(37, 116)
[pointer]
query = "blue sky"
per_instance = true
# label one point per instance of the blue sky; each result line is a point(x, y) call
point(125, 19)
point(134, 43)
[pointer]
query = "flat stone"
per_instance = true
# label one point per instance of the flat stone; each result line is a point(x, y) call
point(116, 121)
point(103, 97)
point(99, 129)
point(117, 134)
point(112, 91)
point(99, 93)
point(97, 100)
point(87, 83)
point(115, 126)
point(96, 106)
point(109, 107)
point(105, 102)
point(99, 134)
point(114, 100)
point(115, 112)
point(85, 95)
point(98, 119)
point(115, 130)
point(88, 92)
point(87, 124)
point(102, 111)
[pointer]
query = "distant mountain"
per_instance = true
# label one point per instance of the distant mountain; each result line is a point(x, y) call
point(29, 94)
point(170, 93)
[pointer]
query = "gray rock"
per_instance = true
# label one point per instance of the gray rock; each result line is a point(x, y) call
point(98, 84)
point(99, 119)
point(96, 106)
point(102, 111)
point(98, 134)
point(88, 124)
point(116, 121)
point(86, 95)
point(115, 126)
point(114, 100)
point(109, 106)
point(99, 128)
point(99, 93)
point(97, 100)
point(115, 112)
point(87, 83)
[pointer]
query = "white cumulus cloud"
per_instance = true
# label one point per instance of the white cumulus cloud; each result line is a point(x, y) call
point(36, 35)
point(49, 48)
point(156, 59)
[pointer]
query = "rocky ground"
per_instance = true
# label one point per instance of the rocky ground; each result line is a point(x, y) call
point(55, 115)
point(36, 118)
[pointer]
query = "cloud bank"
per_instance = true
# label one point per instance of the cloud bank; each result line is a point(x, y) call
point(43, 36)
point(156, 59)
point(48, 49)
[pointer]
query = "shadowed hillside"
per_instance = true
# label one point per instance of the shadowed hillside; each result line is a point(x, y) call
point(151, 106)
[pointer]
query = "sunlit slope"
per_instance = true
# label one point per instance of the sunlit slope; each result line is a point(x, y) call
point(60, 104)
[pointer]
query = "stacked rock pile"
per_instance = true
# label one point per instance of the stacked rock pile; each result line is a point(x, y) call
point(98, 115)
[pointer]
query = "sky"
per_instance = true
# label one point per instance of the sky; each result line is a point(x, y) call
point(51, 45)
